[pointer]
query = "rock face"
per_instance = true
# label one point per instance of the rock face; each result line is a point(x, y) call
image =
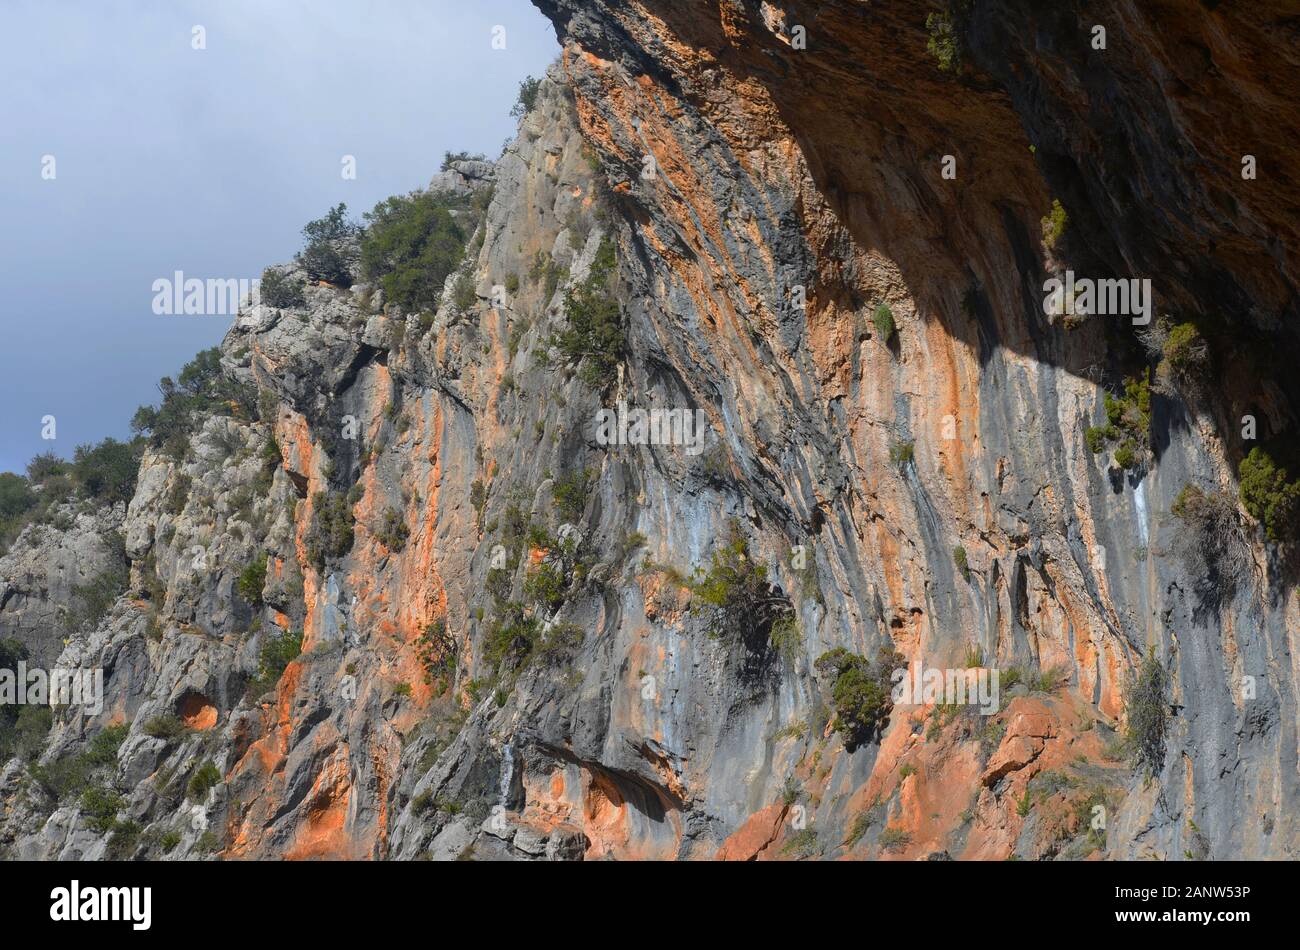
point(41, 573)
point(765, 178)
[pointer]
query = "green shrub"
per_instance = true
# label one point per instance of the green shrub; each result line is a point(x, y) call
point(1269, 494)
point(169, 841)
point(277, 653)
point(449, 157)
point(570, 494)
point(324, 257)
point(736, 591)
point(1126, 456)
point(527, 97)
point(252, 580)
point(16, 498)
point(23, 733)
point(201, 386)
point(1147, 707)
point(959, 558)
point(278, 289)
point(902, 453)
point(883, 320)
point(942, 42)
point(393, 533)
point(73, 772)
point(411, 245)
point(100, 804)
point(511, 637)
point(894, 839)
point(862, 822)
point(464, 295)
point(860, 692)
point(46, 465)
point(546, 585)
point(594, 340)
point(801, 844)
point(1054, 223)
point(330, 535)
point(1097, 436)
point(1184, 348)
point(478, 499)
point(512, 283)
point(1128, 421)
point(786, 636)
point(436, 651)
point(123, 841)
point(203, 781)
point(165, 727)
point(107, 471)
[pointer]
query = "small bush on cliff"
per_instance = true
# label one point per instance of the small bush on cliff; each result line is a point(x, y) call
point(17, 503)
point(22, 728)
point(24, 733)
point(902, 453)
point(735, 590)
point(203, 781)
point(72, 773)
point(1054, 224)
point(46, 465)
point(570, 494)
point(448, 158)
point(1212, 545)
point(527, 97)
point(100, 804)
point(963, 564)
point(16, 497)
point(1183, 354)
point(894, 839)
point(330, 535)
point(511, 637)
point(107, 471)
point(883, 320)
point(325, 256)
point(1269, 494)
point(437, 654)
point(165, 727)
point(594, 340)
point(942, 43)
point(201, 386)
point(411, 245)
point(280, 290)
point(275, 656)
point(860, 692)
point(1128, 422)
point(394, 532)
point(1184, 349)
point(252, 579)
point(1147, 707)
point(546, 585)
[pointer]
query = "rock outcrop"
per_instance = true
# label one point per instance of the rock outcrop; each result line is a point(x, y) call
point(506, 647)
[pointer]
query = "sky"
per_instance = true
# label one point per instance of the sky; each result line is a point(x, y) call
point(209, 161)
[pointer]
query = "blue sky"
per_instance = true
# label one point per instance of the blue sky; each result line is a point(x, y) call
point(209, 162)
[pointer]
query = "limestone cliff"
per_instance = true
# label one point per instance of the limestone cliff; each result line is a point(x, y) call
point(504, 650)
